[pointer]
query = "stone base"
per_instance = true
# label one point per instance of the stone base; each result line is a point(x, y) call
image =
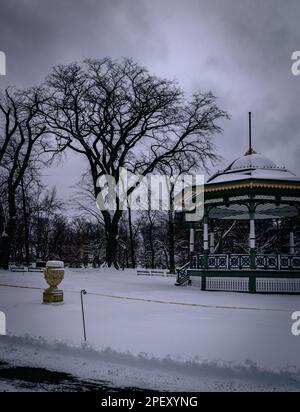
point(53, 296)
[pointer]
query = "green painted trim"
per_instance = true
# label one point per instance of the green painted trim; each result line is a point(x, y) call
point(252, 259)
point(246, 181)
point(245, 273)
point(205, 259)
point(203, 283)
point(252, 284)
point(241, 191)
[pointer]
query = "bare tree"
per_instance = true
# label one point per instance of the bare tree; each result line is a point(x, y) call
point(117, 115)
point(21, 128)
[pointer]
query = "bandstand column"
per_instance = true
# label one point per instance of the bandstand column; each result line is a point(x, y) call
point(252, 233)
point(192, 240)
point(252, 244)
point(252, 239)
point(212, 242)
point(205, 239)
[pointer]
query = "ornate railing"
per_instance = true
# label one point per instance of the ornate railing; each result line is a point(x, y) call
point(267, 262)
point(182, 275)
point(243, 262)
point(243, 273)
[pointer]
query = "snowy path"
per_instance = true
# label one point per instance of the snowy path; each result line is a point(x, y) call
point(14, 377)
point(149, 315)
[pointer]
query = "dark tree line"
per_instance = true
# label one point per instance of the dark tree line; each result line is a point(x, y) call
point(22, 133)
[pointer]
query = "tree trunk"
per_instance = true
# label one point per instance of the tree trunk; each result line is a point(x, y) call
point(5, 253)
point(151, 245)
point(112, 247)
point(2, 237)
point(111, 229)
point(10, 230)
point(132, 251)
point(26, 227)
point(171, 242)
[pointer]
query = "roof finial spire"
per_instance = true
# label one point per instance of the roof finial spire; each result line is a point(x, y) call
point(250, 149)
point(250, 136)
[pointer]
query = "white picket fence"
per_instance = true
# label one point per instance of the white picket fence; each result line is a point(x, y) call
point(278, 285)
point(17, 268)
point(230, 284)
point(154, 272)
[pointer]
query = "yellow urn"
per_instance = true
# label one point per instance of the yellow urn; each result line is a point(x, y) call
point(54, 274)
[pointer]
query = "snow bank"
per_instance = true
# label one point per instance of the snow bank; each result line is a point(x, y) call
point(183, 331)
point(126, 369)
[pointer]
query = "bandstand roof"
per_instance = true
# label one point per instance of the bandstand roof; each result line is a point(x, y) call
point(253, 166)
point(273, 189)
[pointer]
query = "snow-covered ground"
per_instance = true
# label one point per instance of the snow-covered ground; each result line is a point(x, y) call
point(144, 331)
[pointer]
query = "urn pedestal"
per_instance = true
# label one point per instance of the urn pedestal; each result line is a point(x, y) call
point(54, 274)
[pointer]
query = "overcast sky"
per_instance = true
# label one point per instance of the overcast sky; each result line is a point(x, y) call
point(239, 49)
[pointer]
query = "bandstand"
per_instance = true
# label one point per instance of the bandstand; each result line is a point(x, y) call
point(251, 188)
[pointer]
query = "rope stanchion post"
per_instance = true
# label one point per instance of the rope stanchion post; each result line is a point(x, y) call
point(83, 292)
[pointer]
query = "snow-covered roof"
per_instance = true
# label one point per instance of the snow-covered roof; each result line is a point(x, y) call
point(252, 166)
point(260, 171)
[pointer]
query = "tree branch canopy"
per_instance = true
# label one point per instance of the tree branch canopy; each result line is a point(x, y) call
point(117, 115)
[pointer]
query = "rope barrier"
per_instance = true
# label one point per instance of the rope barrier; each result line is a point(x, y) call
point(160, 301)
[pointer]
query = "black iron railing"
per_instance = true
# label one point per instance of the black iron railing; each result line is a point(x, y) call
point(243, 262)
point(182, 275)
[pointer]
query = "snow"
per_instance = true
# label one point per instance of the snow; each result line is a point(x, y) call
point(144, 371)
point(254, 166)
point(152, 332)
point(55, 264)
point(254, 174)
point(254, 160)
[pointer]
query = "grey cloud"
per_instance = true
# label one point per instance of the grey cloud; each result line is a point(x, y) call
point(240, 49)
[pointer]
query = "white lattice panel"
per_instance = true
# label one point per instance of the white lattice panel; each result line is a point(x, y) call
point(278, 285)
point(230, 284)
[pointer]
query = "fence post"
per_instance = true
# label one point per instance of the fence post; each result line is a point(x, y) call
point(252, 283)
point(83, 292)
